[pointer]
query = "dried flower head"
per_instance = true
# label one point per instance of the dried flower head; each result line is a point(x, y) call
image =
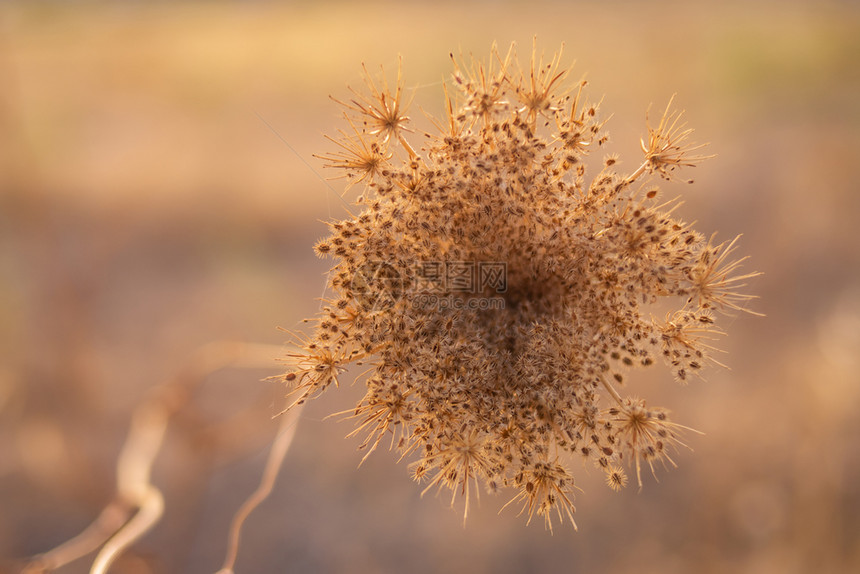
point(499, 299)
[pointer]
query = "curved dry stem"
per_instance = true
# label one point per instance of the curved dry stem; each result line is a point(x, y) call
point(113, 528)
point(135, 460)
point(280, 446)
point(133, 481)
point(110, 520)
point(151, 507)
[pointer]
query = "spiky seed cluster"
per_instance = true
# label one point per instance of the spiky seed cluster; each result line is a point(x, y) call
point(499, 394)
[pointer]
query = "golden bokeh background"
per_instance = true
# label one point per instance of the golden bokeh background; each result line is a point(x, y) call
point(158, 192)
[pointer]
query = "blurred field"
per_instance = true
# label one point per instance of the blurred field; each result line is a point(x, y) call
point(145, 210)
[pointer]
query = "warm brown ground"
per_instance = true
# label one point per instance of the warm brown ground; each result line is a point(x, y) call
point(146, 210)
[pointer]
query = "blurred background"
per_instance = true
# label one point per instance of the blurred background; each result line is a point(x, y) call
point(158, 192)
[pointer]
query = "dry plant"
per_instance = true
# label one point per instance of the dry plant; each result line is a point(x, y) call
point(499, 300)
point(138, 503)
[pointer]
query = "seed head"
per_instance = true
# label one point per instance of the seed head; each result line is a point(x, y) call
point(668, 148)
point(500, 301)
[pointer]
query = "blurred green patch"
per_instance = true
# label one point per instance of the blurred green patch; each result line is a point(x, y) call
point(812, 61)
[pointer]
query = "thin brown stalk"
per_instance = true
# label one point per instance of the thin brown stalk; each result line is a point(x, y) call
point(280, 446)
point(138, 504)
